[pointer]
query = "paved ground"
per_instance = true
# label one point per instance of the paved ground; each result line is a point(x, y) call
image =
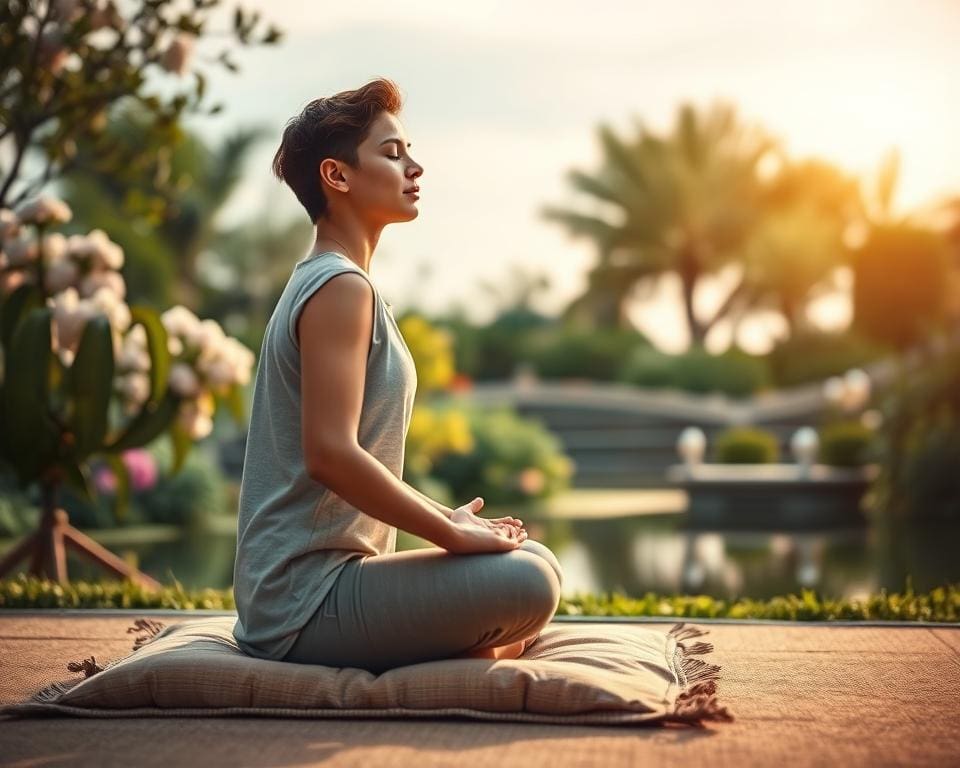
point(802, 694)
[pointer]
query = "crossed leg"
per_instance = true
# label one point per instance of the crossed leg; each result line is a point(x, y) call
point(420, 605)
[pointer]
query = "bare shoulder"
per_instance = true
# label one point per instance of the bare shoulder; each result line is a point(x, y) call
point(342, 304)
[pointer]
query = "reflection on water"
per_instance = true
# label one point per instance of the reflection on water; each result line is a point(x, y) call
point(658, 553)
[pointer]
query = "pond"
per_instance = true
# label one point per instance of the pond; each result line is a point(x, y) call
point(634, 554)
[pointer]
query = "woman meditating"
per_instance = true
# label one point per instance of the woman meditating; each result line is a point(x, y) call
point(317, 578)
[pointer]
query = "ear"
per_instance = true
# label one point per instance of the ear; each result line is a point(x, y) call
point(331, 175)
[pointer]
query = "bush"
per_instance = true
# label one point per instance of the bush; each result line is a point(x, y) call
point(567, 352)
point(746, 445)
point(846, 444)
point(734, 373)
point(493, 351)
point(197, 491)
point(434, 432)
point(512, 460)
point(920, 442)
point(941, 604)
point(649, 367)
point(813, 356)
point(931, 474)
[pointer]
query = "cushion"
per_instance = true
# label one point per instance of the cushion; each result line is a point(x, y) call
point(583, 673)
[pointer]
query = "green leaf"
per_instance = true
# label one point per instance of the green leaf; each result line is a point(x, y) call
point(181, 443)
point(90, 385)
point(77, 476)
point(122, 502)
point(156, 346)
point(15, 307)
point(32, 435)
point(152, 420)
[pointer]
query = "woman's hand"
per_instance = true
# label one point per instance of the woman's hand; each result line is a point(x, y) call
point(478, 534)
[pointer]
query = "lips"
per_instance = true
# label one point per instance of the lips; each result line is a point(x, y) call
point(412, 190)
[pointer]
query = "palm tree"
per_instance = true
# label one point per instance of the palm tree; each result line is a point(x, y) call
point(681, 204)
point(795, 249)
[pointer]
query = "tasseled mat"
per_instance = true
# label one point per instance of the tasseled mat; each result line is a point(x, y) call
point(564, 662)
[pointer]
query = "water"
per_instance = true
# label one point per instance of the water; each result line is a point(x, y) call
point(656, 553)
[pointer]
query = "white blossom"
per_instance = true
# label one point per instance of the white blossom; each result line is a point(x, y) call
point(134, 387)
point(53, 248)
point(44, 210)
point(225, 364)
point(134, 355)
point(113, 307)
point(180, 321)
point(61, 275)
point(101, 251)
point(21, 251)
point(103, 278)
point(70, 315)
point(208, 336)
point(183, 380)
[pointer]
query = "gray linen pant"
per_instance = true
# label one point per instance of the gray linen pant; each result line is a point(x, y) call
point(418, 605)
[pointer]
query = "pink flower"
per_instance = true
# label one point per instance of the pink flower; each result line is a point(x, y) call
point(141, 467)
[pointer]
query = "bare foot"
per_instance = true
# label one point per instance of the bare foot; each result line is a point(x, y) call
point(511, 651)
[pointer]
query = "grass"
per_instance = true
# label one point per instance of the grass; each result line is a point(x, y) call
point(941, 604)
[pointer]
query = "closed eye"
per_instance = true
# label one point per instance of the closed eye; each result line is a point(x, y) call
point(394, 157)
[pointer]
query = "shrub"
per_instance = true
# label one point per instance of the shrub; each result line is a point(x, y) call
point(434, 432)
point(186, 498)
point(567, 352)
point(846, 444)
point(920, 442)
point(941, 604)
point(931, 480)
point(746, 445)
point(734, 373)
point(512, 460)
point(197, 491)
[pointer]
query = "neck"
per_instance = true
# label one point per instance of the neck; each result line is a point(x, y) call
point(349, 235)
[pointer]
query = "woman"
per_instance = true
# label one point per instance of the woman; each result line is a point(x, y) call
point(317, 576)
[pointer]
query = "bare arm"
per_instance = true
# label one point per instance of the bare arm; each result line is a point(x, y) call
point(334, 331)
point(435, 504)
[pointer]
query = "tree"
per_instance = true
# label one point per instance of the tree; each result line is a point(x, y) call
point(64, 65)
point(681, 204)
point(84, 374)
point(181, 222)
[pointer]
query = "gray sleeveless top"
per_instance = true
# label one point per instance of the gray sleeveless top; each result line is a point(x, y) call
point(294, 535)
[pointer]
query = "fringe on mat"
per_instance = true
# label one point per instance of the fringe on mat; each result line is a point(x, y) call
point(147, 630)
point(698, 701)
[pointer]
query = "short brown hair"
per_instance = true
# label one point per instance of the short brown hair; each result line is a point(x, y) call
point(333, 126)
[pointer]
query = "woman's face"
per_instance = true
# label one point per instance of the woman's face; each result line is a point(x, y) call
point(380, 187)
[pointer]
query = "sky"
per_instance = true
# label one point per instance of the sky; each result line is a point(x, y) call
point(502, 99)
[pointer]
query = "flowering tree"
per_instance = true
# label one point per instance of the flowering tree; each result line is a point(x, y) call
point(65, 63)
point(86, 374)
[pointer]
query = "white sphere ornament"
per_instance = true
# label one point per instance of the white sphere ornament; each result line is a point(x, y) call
point(691, 445)
point(804, 445)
